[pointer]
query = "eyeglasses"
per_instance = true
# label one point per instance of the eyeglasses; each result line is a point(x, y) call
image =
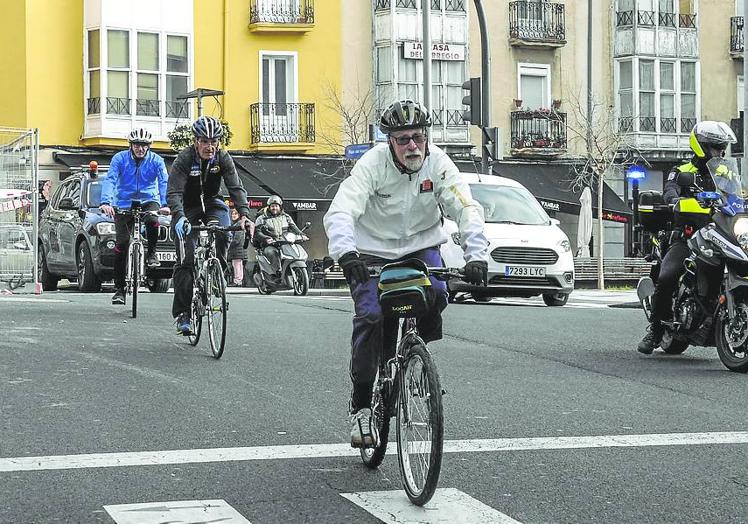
point(207, 141)
point(140, 144)
point(418, 138)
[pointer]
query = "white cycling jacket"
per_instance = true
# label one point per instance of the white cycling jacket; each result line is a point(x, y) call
point(380, 211)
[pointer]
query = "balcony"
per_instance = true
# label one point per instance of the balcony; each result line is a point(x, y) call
point(736, 37)
point(281, 16)
point(538, 133)
point(113, 106)
point(436, 5)
point(536, 24)
point(652, 124)
point(281, 127)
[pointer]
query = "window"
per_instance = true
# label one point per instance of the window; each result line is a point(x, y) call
point(625, 96)
point(118, 72)
point(686, 14)
point(146, 101)
point(278, 81)
point(384, 64)
point(177, 76)
point(667, 98)
point(646, 96)
point(688, 96)
point(94, 72)
point(534, 85)
point(666, 13)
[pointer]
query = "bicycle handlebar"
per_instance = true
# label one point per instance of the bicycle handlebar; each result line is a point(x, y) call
point(217, 228)
point(440, 273)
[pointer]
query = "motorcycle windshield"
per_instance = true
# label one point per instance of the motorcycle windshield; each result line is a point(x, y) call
point(731, 186)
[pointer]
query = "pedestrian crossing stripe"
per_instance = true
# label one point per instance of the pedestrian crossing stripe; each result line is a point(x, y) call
point(204, 511)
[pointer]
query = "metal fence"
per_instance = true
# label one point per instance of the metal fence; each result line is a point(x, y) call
point(19, 197)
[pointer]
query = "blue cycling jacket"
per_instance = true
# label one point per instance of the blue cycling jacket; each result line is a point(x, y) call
point(128, 180)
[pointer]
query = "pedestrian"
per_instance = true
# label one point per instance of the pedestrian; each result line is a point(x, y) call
point(45, 186)
point(237, 252)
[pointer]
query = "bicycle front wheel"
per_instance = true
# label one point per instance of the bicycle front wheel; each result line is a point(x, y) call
point(196, 320)
point(217, 307)
point(135, 272)
point(420, 425)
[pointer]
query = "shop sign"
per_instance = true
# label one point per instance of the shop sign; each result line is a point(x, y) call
point(304, 206)
point(439, 51)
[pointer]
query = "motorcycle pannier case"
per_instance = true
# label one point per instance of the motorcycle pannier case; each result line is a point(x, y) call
point(688, 212)
point(654, 214)
point(403, 289)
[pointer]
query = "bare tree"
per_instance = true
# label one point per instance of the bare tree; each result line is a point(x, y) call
point(608, 149)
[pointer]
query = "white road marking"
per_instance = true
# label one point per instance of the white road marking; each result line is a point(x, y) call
point(182, 511)
point(447, 506)
point(13, 298)
point(307, 451)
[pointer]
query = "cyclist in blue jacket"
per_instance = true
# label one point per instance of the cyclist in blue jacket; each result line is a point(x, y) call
point(135, 174)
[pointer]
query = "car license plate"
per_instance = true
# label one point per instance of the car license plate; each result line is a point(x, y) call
point(166, 256)
point(524, 271)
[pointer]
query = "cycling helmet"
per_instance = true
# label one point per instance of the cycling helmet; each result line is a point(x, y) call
point(207, 127)
point(275, 199)
point(712, 134)
point(140, 136)
point(404, 114)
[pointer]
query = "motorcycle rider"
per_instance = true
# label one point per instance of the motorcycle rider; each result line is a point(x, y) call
point(708, 139)
point(270, 227)
point(388, 209)
point(135, 174)
point(194, 197)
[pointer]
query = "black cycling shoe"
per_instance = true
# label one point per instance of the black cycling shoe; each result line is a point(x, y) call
point(119, 297)
point(651, 340)
point(152, 261)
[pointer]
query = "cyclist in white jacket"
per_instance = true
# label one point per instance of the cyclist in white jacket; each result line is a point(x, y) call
point(388, 209)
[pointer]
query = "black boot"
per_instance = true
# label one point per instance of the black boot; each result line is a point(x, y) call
point(651, 339)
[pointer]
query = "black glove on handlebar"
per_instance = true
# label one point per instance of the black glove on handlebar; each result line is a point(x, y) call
point(354, 269)
point(476, 272)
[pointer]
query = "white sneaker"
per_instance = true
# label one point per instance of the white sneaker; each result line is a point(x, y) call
point(363, 430)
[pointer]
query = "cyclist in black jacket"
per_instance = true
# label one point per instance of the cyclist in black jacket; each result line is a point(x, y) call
point(194, 196)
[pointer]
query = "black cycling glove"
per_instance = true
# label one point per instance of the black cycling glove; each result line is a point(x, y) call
point(476, 272)
point(354, 269)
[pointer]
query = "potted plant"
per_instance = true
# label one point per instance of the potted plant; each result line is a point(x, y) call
point(518, 102)
point(557, 104)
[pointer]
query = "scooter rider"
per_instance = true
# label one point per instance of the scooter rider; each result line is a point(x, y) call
point(135, 174)
point(270, 227)
point(387, 210)
point(708, 139)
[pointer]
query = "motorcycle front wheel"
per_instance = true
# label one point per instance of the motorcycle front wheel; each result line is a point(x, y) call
point(732, 338)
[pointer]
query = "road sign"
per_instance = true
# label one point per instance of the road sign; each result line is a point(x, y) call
point(356, 151)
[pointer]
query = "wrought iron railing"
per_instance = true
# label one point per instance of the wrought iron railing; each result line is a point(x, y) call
point(94, 106)
point(687, 20)
point(626, 124)
point(646, 18)
point(281, 123)
point(537, 21)
point(668, 125)
point(117, 106)
point(686, 124)
point(624, 18)
point(736, 34)
point(282, 12)
point(647, 124)
point(538, 129)
point(454, 118)
point(177, 109)
point(736, 124)
point(666, 19)
point(455, 5)
point(147, 107)
point(437, 116)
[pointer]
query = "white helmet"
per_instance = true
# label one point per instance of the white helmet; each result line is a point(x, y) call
point(140, 136)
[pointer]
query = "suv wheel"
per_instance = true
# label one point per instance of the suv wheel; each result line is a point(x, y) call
point(555, 299)
point(48, 280)
point(88, 282)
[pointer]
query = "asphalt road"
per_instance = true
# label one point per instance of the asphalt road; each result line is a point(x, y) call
point(550, 415)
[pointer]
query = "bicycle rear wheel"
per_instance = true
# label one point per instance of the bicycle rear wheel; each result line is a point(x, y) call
point(373, 457)
point(217, 307)
point(420, 425)
point(135, 272)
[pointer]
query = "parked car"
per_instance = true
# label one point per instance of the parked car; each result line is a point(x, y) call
point(16, 255)
point(530, 255)
point(76, 240)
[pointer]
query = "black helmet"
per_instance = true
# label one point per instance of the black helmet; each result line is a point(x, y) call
point(207, 127)
point(404, 114)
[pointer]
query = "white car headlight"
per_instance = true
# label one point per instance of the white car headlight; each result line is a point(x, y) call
point(565, 246)
point(105, 228)
point(740, 227)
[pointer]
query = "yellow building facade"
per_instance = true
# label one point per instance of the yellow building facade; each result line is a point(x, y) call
point(85, 72)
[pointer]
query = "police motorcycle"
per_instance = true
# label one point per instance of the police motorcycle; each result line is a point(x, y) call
point(721, 244)
point(292, 273)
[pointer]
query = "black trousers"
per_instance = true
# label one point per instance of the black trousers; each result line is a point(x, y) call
point(215, 211)
point(122, 229)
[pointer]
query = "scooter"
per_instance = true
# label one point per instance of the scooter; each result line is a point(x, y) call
point(292, 273)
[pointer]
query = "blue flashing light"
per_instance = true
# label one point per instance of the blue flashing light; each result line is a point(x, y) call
point(636, 173)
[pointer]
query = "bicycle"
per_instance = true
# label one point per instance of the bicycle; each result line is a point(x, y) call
point(408, 388)
point(135, 253)
point(208, 289)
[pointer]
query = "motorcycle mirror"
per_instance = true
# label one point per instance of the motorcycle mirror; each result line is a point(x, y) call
point(307, 225)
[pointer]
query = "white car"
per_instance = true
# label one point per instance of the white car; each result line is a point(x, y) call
point(529, 254)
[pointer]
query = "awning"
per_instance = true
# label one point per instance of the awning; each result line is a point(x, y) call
point(306, 184)
point(550, 184)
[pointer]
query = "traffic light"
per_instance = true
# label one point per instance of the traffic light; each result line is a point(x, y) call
point(472, 100)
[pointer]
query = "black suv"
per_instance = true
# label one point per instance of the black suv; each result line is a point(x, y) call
point(76, 240)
